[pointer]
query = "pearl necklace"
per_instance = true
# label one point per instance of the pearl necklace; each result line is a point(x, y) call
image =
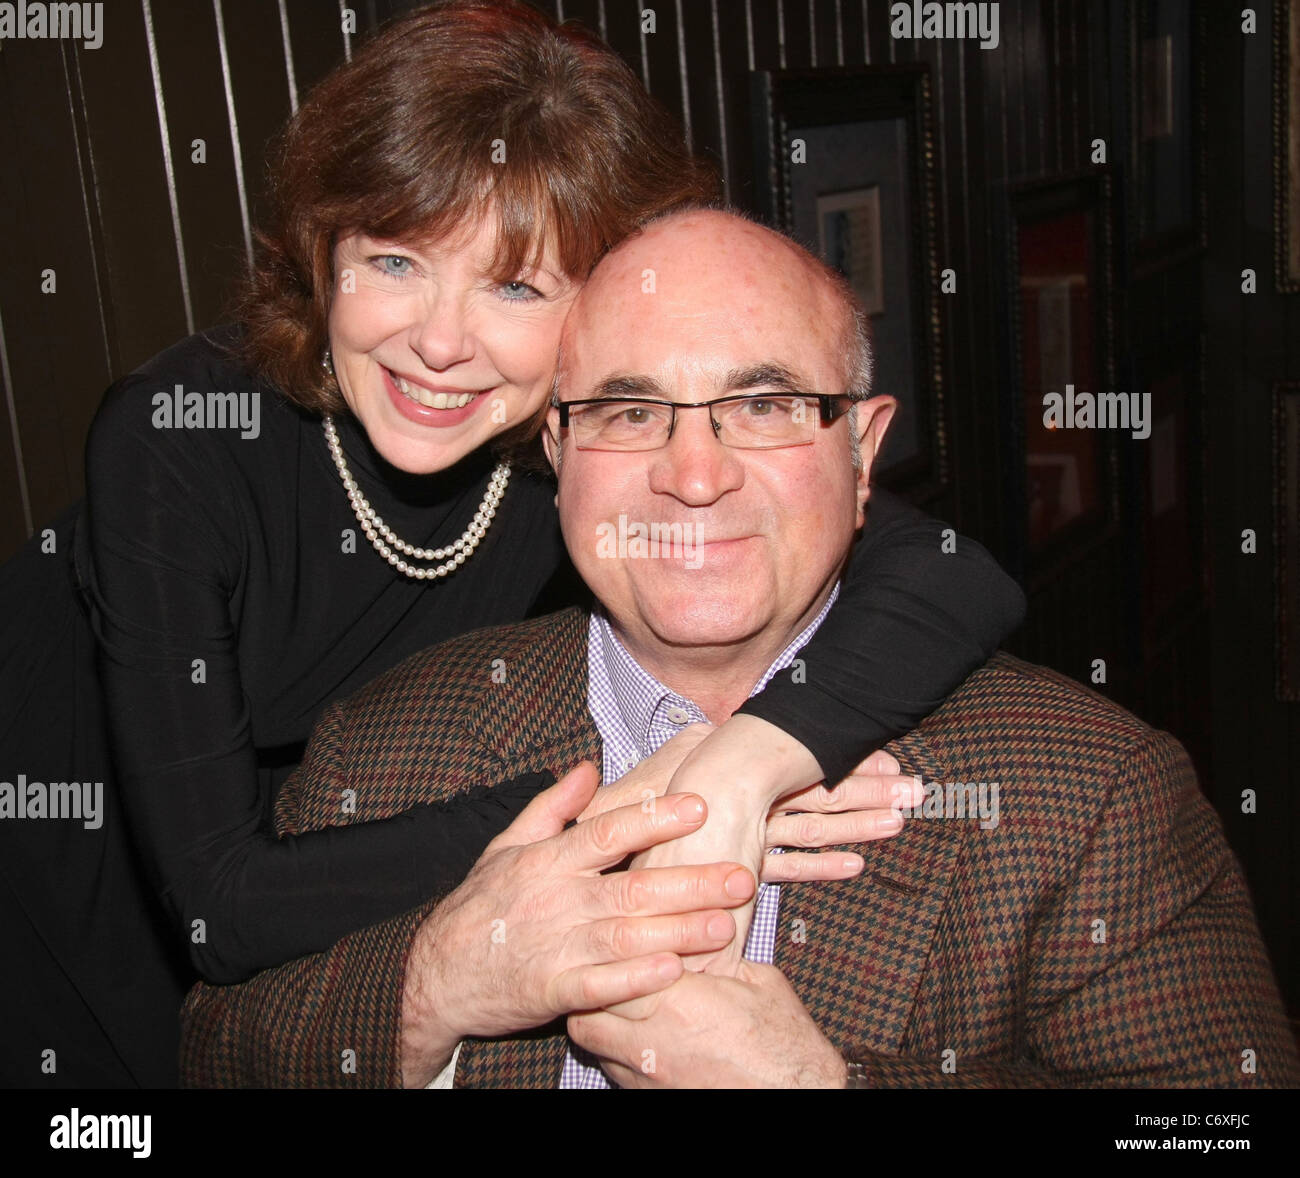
point(378, 532)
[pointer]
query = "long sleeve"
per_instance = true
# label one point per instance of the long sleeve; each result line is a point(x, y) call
point(915, 617)
point(205, 658)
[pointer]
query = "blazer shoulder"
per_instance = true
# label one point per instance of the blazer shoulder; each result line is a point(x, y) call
point(1010, 701)
point(1053, 741)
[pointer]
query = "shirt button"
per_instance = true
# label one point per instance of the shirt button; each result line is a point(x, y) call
point(629, 763)
point(678, 715)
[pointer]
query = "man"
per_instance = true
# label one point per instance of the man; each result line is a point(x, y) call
point(1088, 927)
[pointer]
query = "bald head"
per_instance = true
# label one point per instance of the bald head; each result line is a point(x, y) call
point(702, 258)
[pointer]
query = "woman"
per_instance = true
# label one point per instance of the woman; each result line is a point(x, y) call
point(437, 203)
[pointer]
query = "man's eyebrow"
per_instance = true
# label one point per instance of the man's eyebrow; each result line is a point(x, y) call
point(766, 376)
point(624, 385)
point(757, 376)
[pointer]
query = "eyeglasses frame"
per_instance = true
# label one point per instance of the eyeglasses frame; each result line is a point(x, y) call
point(831, 406)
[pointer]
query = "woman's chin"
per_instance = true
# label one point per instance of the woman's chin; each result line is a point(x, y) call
point(416, 459)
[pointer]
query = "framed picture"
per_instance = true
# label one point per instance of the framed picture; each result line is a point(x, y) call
point(1286, 540)
point(1165, 150)
point(845, 163)
point(1286, 149)
point(1057, 241)
point(848, 225)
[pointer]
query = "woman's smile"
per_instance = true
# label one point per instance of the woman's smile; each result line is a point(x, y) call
point(431, 405)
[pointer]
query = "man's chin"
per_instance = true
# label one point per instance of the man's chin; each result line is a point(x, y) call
point(692, 622)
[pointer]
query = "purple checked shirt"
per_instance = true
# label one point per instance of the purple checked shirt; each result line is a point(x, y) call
point(635, 714)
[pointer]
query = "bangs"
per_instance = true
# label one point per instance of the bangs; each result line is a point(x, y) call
point(532, 213)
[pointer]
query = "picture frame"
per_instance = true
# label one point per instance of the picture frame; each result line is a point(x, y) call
point(844, 162)
point(1057, 241)
point(1165, 151)
point(1286, 146)
point(1286, 537)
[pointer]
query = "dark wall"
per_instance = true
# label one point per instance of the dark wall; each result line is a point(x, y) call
point(145, 248)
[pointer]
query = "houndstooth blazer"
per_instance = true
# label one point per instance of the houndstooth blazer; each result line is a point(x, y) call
point(960, 956)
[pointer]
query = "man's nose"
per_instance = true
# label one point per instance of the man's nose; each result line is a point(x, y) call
point(694, 466)
point(443, 335)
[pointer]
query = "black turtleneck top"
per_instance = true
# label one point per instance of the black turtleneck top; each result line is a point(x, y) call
point(234, 596)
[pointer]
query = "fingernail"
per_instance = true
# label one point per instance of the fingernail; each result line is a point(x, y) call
point(690, 810)
point(891, 822)
point(739, 884)
point(720, 928)
point(854, 863)
point(666, 970)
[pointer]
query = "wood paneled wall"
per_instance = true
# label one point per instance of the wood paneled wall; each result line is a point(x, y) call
point(145, 243)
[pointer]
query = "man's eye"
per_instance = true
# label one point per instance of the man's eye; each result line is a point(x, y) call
point(636, 416)
point(766, 407)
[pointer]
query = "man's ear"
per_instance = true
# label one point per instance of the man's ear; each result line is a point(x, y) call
point(873, 418)
point(551, 438)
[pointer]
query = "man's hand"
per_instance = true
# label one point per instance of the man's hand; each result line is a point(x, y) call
point(712, 1031)
point(536, 930)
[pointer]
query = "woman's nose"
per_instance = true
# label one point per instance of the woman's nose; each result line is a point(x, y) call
point(443, 336)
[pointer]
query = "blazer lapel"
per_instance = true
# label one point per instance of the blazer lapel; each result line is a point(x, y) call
point(854, 950)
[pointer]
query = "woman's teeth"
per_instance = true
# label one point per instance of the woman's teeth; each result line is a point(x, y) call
point(432, 400)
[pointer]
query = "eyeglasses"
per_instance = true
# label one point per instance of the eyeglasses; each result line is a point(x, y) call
point(749, 421)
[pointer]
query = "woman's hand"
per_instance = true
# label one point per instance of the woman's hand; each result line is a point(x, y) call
point(651, 778)
point(752, 774)
point(863, 807)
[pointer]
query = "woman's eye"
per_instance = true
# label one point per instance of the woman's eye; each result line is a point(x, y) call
point(394, 265)
point(518, 292)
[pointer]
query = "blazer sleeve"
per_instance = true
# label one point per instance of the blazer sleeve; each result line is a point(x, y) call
point(1149, 969)
point(327, 1020)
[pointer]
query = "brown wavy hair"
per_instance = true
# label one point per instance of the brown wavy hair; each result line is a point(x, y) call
point(399, 144)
